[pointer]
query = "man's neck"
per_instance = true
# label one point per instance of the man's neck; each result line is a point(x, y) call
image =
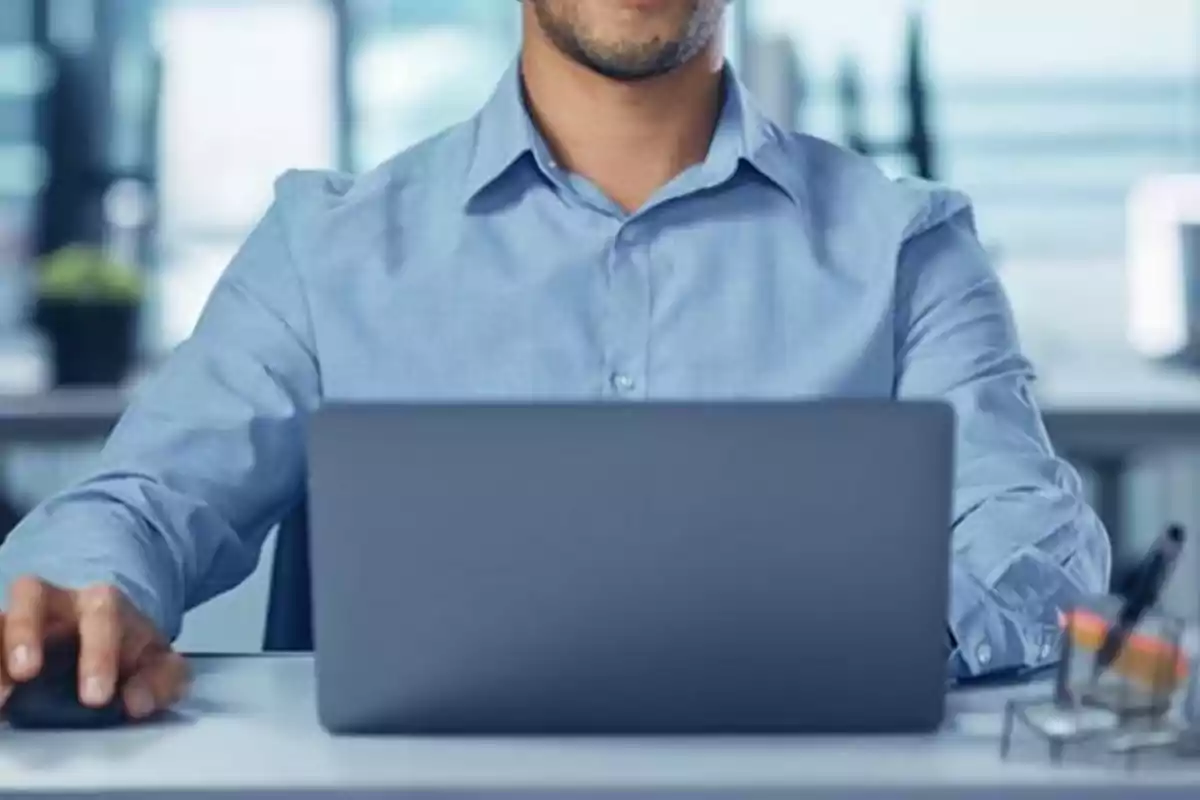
point(629, 139)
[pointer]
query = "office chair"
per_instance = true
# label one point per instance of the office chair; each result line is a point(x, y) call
point(289, 607)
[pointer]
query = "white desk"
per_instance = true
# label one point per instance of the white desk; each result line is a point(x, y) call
point(250, 730)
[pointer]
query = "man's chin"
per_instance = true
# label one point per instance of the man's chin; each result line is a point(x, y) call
point(629, 76)
point(629, 71)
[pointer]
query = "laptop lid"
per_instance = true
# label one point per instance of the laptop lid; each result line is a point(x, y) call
point(631, 568)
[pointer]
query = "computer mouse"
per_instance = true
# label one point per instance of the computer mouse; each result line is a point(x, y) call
point(51, 700)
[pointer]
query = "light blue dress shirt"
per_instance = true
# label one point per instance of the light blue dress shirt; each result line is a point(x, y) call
point(473, 266)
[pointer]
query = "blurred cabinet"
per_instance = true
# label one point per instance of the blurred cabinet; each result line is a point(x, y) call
point(24, 78)
point(78, 83)
point(100, 125)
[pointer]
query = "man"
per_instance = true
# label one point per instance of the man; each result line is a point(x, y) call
point(617, 223)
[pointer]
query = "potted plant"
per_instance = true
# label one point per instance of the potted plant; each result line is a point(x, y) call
point(89, 306)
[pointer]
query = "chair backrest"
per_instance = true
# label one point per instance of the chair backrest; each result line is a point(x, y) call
point(289, 609)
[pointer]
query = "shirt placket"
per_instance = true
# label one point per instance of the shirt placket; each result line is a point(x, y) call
point(628, 329)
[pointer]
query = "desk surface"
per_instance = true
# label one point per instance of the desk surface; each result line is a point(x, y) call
point(250, 728)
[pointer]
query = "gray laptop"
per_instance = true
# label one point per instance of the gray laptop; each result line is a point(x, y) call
point(631, 568)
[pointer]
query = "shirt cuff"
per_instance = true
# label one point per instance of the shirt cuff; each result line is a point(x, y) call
point(991, 638)
point(82, 547)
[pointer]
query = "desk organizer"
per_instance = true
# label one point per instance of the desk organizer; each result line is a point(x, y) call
point(1189, 738)
point(1127, 709)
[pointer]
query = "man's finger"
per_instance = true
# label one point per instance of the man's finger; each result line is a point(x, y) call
point(100, 617)
point(138, 640)
point(23, 628)
point(158, 685)
point(5, 681)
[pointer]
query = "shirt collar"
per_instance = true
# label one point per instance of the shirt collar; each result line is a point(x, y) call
point(745, 136)
point(505, 135)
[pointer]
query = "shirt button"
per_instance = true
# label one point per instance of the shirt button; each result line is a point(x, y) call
point(623, 383)
point(984, 654)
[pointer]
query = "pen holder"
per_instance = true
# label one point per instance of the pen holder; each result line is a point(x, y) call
point(1145, 678)
point(1126, 708)
point(1189, 738)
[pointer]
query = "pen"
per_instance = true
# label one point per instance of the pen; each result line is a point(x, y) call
point(1147, 583)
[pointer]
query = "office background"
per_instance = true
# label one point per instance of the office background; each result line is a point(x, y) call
point(145, 135)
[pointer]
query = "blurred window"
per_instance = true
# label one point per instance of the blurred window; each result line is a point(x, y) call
point(417, 68)
point(248, 93)
point(251, 89)
point(1046, 112)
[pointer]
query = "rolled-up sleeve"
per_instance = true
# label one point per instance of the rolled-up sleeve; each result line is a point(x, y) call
point(1026, 545)
point(207, 457)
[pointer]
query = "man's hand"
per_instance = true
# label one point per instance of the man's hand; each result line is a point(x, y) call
point(118, 646)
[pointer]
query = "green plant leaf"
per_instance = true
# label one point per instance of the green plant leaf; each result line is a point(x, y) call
point(83, 274)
